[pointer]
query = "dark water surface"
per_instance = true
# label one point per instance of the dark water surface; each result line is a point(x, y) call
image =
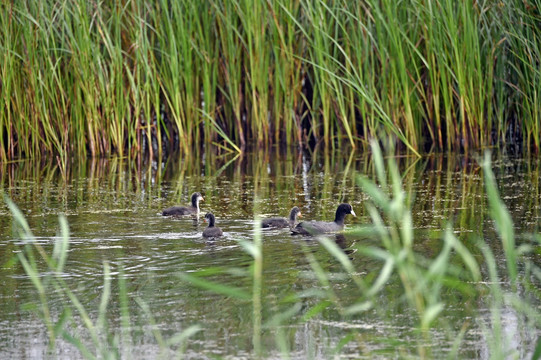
point(112, 207)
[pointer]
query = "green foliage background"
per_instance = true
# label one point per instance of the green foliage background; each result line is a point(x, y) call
point(135, 76)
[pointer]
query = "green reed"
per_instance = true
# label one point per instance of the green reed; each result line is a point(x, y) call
point(458, 268)
point(523, 35)
point(392, 222)
point(138, 77)
point(425, 280)
point(288, 99)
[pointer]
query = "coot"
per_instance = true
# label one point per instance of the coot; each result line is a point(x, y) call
point(211, 230)
point(185, 210)
point(281, 222)
point(321, 227)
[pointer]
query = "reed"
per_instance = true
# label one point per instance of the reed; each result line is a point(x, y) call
point(140, 77)
point(522, 33)
point(457, 269)
point(392, 222)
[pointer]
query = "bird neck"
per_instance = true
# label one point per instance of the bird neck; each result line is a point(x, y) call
point(339, 217)
point(211, 222)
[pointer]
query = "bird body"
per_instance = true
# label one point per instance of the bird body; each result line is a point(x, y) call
point(322, 227)
point(185, 210)
point(281, 222)
point(212, 230)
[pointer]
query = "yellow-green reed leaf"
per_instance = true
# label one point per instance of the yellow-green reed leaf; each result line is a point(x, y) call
point(32, 273)
point(308, 293)
point(383, 276)
point(316, 309)
point(457, 342)
point(220, 131)
point(430, 314)
point(344, 260)
point(184, 335)
point(155, 330)
point(125, 322)
point(379, 163)
point(338, 253)
point(211, 270)
point(59, 325)
point(453, 282)
point(490, 261)
point(536, 271)
point(379, 226)
point(105, 295)
point(396, 208)
point(396, 179)
point(525, 249)
point(530, 310)
point(250, 248)
point(502, 218)
point(363, 231)
point(463, 252)
point(285, 315)
point(215, 287)
point(537, 351)
point(343, 342)
point(61, 246)
point(78, 344)
point(407, 230)
point(375, 253)
point(359, 307)
point(19, 218)
point(321, 274)
point(378, 196)
point(439, 266)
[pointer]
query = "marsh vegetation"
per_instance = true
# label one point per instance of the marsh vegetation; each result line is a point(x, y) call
point(113, 111)
point(137, 77)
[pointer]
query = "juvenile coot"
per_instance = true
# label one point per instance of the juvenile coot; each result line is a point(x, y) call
point(211, 230)
point(281, 222)
point(321, 227)
point(185, 210)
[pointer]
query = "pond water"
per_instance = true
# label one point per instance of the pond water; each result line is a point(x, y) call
point(113, 210)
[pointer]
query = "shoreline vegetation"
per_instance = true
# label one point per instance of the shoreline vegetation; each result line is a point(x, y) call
point(136, 77)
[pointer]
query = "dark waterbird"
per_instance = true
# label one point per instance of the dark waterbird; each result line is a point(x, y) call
point(281, 222)
point(185, 210)
point(322, 227)
point(211, 230)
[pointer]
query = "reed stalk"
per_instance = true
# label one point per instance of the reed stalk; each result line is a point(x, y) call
point(140, 77)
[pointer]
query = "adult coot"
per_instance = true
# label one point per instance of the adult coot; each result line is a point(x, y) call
point(321, 227)
point(281, 222)
point(185, 210)
point(211, 230)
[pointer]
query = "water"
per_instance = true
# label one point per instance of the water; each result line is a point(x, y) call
point(113, 206)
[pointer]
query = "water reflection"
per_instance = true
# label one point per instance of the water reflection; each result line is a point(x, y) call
point(113, 207)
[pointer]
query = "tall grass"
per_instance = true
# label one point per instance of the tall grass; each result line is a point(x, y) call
point(457, 269)
point(392, 222)
point(522, 33)
point(132, 77)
